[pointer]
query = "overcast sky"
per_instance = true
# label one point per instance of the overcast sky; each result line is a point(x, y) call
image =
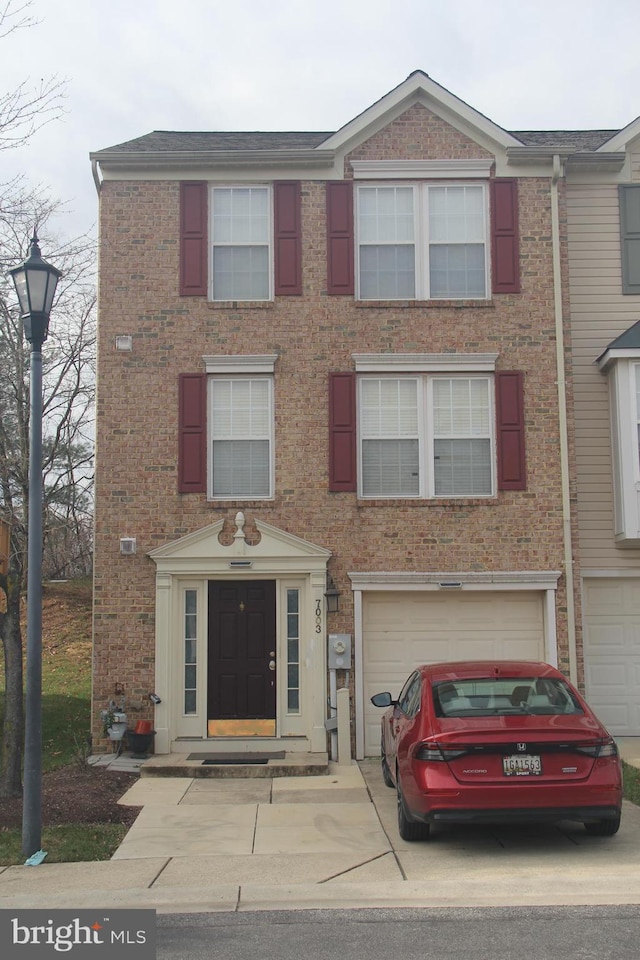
point(133, 66)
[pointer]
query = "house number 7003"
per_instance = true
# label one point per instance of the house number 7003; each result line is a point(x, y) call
point(318, 616)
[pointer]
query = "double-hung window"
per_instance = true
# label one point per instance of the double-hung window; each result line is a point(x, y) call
point(241, 437)
point(426, 436)
point(241, 249)
point(422, 241)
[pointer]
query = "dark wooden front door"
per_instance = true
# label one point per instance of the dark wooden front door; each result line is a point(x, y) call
point(242, 653)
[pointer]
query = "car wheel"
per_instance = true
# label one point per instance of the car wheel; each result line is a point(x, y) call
point(386, 775)
point(603, 828)
point(409, 829)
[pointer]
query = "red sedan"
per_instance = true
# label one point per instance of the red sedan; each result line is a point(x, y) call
point(497, 741)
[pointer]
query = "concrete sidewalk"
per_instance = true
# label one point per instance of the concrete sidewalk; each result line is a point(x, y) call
point(329, 841)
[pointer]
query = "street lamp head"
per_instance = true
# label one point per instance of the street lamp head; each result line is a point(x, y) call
point(35, 282)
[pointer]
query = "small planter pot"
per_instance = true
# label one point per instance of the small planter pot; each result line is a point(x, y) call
point(140, 744)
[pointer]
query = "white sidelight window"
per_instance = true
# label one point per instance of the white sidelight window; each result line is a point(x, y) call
point(241, 253)
point(241, 437)
point(293, 651)
point(426, 436)
point(422, 242)
point(190, 664)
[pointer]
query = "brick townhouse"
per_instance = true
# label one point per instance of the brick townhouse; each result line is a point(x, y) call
point(334, 372)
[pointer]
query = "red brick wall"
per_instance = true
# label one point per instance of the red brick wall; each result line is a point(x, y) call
point(136, 490)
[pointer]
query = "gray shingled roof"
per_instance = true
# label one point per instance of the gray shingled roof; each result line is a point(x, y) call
point(175, 140)
point(168, 141)
point(580, 139)
point(629, 340)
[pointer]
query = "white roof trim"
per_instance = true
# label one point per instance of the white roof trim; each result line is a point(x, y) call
point(424, 362)
point(418, 87)
point(605, 359)
point(486, 580)
point(264, 363)
point(423, 169)
point(622, 138)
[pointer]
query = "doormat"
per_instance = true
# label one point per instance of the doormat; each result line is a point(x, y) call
point(209, 758)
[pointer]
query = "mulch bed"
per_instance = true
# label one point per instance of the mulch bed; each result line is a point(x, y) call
point(77, 794)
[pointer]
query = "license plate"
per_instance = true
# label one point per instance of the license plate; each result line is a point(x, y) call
point(525, 765)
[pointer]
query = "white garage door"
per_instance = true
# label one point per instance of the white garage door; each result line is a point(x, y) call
point(402, 630)
point(612, 652)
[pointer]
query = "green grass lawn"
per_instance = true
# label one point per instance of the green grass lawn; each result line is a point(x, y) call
point(66, 672)
point(631, 783)
point(69, 843)
point(66, 720)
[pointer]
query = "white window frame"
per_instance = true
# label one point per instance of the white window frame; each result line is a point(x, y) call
point(426, 434)
point(239, 377)
point(635, 387)
point(269, 242)
point(422, 242)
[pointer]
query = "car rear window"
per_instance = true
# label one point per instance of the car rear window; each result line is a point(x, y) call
point(502, 696)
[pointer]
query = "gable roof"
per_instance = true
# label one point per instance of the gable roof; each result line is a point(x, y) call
point(168, 148)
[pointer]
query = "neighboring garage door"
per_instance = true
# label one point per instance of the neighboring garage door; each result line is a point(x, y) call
point(402, 630)
point(612, 652)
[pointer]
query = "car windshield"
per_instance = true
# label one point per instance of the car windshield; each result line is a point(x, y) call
point(503, 696)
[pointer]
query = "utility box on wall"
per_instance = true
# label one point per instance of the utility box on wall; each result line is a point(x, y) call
point(339, 654)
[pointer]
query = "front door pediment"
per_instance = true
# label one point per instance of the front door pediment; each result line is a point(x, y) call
point(201, 552)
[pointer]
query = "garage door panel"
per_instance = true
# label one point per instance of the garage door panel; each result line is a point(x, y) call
point(612, 652)
point(402, 630)
point(611, 597)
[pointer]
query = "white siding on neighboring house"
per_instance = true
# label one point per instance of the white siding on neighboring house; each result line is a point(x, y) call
point(599, 313)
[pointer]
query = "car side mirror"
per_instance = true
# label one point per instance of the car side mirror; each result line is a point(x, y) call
point(382, 700)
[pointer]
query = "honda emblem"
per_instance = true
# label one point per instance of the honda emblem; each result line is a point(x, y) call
point(521, 747)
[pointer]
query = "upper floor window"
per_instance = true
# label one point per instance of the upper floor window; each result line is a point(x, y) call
point(240, 437)
point(621, 363)
point(426, 436)
point(241, 249)
point(422, 241)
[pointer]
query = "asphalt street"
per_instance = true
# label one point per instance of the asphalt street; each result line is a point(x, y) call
point(543, 933)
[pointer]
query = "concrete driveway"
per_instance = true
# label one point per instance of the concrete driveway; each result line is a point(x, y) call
point(329, 841)
point(516, 859)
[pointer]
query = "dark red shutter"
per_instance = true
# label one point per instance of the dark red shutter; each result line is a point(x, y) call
point(340, 277)
point(192, 436)
point(193, 239)
point(505, 243)
point(288, 238)
point(342, 432)
point(510, 423)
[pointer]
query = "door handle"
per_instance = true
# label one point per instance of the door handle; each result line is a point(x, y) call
point(272, 664)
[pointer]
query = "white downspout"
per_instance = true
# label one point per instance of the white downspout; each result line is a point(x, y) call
point(96, 175)
point(562, 419)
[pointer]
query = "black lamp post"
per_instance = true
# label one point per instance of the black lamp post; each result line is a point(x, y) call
point(35, 281)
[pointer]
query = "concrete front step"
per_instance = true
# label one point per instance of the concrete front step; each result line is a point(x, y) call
point(292, 765)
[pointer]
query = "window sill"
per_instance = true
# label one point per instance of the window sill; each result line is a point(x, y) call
point(426, 304)
point(458, 503)
point(240, 304)
point(219, 504)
